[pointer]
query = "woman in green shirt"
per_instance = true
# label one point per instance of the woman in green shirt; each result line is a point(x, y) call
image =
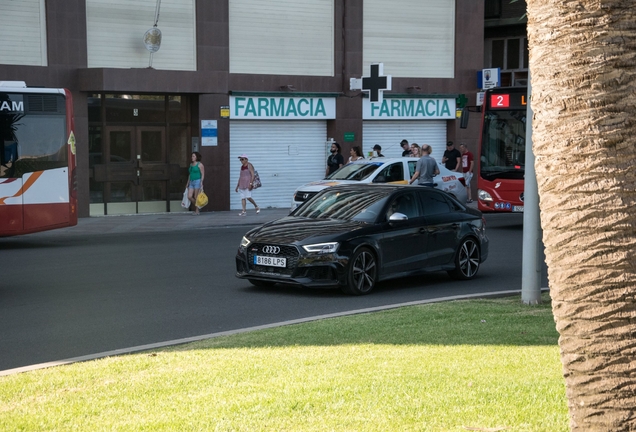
point(195, 180)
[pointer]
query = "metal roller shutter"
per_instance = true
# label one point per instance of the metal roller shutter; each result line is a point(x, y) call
point(389, 133)
point(286, 154)
point(23, 33)
point(285, 37)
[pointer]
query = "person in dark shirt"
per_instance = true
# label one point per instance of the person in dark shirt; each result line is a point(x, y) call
point(335, 161)
point(406, 147)
point(452, 158)
point(378, 150)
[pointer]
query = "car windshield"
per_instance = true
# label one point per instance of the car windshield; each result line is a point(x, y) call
point(355, 171)
point(363, 206)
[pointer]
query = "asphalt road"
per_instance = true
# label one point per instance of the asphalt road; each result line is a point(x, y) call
point(68, 296)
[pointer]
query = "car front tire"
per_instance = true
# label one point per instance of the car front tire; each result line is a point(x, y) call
point(362, 274)
point(467, 260)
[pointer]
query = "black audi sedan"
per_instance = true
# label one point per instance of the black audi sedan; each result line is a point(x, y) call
point(354, 236)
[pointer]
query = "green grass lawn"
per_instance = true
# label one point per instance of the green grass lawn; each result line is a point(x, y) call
point(464, 365)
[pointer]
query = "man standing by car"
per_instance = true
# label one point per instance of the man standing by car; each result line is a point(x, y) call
point(335, 161)
point(425, 169)
point(468, 160)
point(452, 159)
point(406, 148)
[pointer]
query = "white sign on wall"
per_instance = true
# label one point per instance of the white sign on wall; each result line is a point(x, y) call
point(209, 133)
point(282, 108)
point(480, 98)
point(489, 78)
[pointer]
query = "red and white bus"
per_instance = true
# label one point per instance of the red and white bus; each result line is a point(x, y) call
point(502, 149)
point(38, 188)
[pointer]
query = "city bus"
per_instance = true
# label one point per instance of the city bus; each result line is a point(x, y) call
point(38, 188)
point(500, 165)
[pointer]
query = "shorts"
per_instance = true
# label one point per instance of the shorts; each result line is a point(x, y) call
point(195, 184)
point(245, 193)
point(468, 176)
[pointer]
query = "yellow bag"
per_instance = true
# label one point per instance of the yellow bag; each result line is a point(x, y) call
point(202, 200)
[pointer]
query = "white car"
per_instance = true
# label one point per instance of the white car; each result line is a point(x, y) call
point(382, 170)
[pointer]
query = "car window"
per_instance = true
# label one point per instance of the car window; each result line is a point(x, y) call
point(412, 166)
point(355, 171)
point(434, 203)
point(390, 173)
point(406, 204)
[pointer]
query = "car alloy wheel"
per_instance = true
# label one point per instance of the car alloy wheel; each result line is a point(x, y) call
point(467, 260)
point(363, 272)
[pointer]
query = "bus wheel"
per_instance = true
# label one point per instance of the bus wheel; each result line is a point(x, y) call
point(467, 260)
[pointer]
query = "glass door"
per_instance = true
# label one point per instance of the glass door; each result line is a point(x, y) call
point(135, 172)
point(153, 171)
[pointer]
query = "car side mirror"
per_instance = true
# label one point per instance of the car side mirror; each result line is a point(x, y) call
point(396, 217)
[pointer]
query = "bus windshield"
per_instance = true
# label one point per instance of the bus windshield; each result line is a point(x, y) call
point(503, 147)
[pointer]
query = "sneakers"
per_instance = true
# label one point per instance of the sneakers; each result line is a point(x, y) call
point(258, 210)
point(243, 213)
point(469, 201)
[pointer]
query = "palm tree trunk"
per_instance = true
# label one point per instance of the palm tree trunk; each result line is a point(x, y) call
point(583, 71)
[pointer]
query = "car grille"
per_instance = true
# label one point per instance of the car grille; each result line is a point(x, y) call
point(304, 196)
point(286, 251)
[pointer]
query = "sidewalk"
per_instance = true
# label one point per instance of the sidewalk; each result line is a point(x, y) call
point(157, 222)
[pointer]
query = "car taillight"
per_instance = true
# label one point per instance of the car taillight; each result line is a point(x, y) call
point(462, 181)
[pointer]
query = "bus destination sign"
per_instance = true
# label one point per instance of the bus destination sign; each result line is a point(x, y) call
point(508, 101)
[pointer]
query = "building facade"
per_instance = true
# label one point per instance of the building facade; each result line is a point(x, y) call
point(505, 40)
point(257, 77)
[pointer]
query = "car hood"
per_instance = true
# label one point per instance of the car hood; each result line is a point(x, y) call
point(293, 229)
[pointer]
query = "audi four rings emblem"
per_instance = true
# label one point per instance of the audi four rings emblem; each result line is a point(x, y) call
point(270, 249)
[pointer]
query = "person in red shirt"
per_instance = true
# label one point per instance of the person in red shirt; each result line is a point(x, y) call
point(468, 161)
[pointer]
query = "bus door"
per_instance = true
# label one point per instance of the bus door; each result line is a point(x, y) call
point(135, 170)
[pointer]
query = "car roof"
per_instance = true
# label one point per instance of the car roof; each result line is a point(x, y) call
point(388, 160)
point(373, 186)
point(386, 187)
point(383, 159)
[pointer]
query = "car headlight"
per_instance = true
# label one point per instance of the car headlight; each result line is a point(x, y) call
point(244, 242)
point(483, 195)
point(322, 248)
